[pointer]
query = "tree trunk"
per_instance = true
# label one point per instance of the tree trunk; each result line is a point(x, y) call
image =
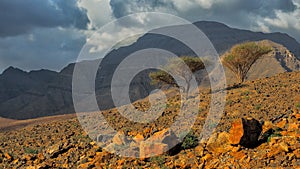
point(187, 90)
point(240, 77)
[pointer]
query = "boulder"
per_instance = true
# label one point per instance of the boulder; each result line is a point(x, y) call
point(245, 132)
point(53, 150)
point(236, 132)
point(131, 152)
point(165, 136)
point(218, 143)
point(138, 138)
point(148, 149)
point(159, 143)
point(119, 138)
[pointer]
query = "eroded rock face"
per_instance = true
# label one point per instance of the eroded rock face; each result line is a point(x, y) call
point(147, 149)
point(245, 132)
point(218, 143)
point(165, 136)
point(236, 132)
point(159, 143)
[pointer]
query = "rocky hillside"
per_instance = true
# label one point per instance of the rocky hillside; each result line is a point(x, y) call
point(26, 95)
point(35, 94)
point(274, 102)
point(280, 60)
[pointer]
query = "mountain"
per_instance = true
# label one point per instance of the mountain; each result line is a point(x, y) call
point(274, 101)
point(38, 93)
point(280, 60)
point(224, 37)
point(26, 95)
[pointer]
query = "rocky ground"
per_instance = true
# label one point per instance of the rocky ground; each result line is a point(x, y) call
point(10, 124)
point(274, 102)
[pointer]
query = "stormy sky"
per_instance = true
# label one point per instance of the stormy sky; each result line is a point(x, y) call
point(49, 34)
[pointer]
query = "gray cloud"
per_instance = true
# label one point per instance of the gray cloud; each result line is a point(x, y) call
point(265, 8)
point(19, 16)
point(49, 34)
point(259, 7)
point(125, 7)
point(246, 9)
point(244, 14)
point(50, 48)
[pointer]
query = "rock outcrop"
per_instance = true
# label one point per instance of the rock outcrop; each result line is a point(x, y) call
point(245, 132)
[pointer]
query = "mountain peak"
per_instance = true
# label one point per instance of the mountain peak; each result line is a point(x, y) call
point(210, 24)
point(13, 70)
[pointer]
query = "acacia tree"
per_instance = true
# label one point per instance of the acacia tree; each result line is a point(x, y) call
point(178, 66)
point(242, 56)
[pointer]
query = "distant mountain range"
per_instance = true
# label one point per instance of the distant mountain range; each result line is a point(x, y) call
point(26, 95)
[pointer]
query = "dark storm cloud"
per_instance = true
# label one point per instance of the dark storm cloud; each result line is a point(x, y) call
point(259, 7)
point(233, 12)
point(244, 14)
point(49, 34)
point(21, 16)
point(262, 7)
point(51, 48)
point(124, 7)
point(285, 6)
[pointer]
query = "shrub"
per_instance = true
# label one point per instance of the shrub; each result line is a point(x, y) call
point(273, 135)
point(159, 160)
point(189, 141)
point(28, 150)
point(297, 105)
point(257, 107)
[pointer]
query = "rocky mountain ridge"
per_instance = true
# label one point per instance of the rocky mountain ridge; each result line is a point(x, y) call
point(26, 95)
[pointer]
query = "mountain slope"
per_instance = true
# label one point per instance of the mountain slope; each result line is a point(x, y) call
point(224, 37)
point(280, 60)
point(64, 144)
point(25, 95)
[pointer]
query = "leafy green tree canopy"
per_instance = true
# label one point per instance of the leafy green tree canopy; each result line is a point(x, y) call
point(242, 56)
point(178, 67)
